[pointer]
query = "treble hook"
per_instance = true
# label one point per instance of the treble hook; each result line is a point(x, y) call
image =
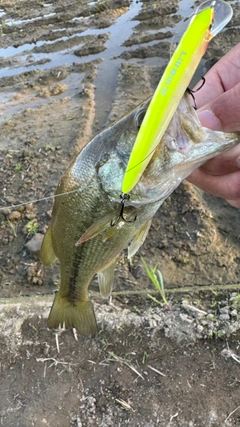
point(191, 92)
point(123, 198)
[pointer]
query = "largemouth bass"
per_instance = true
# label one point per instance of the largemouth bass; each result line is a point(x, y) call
point(92, 222)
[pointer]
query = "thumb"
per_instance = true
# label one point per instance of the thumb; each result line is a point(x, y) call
point(223, 113)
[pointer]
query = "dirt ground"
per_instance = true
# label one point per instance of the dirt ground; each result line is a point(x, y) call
point(67, 70)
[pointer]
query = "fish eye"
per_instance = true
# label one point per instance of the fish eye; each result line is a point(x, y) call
point(139, 118)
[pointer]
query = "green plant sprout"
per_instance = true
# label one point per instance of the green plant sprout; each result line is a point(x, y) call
point(144, 358)
point(18, 167)
point(236, 303)
point(31, 227)
point(156, 278)
point(48, 147)
point(13, 228)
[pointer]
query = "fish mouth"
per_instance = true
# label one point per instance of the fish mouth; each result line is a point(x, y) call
point(185, 145)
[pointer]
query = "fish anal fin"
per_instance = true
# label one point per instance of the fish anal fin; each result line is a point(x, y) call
point(47, 253)
point(77, 314)
point(105, 280)
point(139, 238)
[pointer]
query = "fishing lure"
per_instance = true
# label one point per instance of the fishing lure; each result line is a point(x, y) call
point(208, 20)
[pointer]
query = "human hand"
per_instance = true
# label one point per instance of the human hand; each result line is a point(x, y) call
point(218, 103)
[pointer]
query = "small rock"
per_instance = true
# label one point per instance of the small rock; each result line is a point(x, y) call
point(29, 206)
point(200, 328)
point(14, 216)
point(6, 212)
point(30, 215)
point(210, 316)
point(185, 209)
point(233, 296)
point(194, 311)
point(10, 200)
point(34, 245)
point(234, 313)
point(224, 316)
point(224, 310)
point(185, 318)
point(37, 281)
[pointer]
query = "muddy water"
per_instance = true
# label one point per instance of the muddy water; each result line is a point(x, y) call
point(56, 46)
point(22, 58)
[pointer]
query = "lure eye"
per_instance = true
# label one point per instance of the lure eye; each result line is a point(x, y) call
point(139, 118)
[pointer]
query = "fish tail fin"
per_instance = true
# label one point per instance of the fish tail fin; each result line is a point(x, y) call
point(47, 251)
point(77, 314)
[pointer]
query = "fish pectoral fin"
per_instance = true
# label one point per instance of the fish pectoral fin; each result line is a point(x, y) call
point(77, 314)
point(105, 280)
point(47, 253)
point(96, 228)
point(139, 239)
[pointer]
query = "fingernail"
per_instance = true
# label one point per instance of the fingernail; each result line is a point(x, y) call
point(209, 120)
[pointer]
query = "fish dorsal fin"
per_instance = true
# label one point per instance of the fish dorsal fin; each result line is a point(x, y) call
point(105, 280)
point(139, 238)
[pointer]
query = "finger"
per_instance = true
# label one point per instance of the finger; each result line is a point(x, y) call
point(224, 75)
point(223, 112)
point(234, 203)
point(225, 186)
point(225, 163)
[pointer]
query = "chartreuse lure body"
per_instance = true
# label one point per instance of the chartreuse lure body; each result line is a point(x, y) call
point(208, 20)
